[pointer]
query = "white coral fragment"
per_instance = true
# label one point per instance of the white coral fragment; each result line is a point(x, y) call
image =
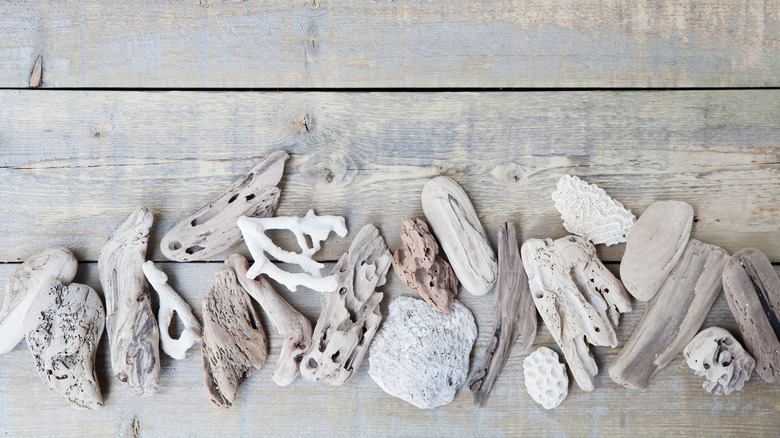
point(589, 212)
point(718, 357)
point(545, 378)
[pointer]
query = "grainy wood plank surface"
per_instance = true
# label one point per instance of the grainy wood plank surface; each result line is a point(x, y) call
point(352, 43)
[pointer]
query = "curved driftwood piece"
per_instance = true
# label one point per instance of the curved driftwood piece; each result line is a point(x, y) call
point(457, 226)
point(132, 330)
point(233, 344)
point(654, 246)
point(63, 328)
point(23, 285)
point(212, 229)
point(515, 314)
point(578, 298)
point(545, 378)
point(350, 316)
point(673, 316)
point(753, 293)
point(718, 357)
point(295, 327)
point(171, 302)
point(417, 262)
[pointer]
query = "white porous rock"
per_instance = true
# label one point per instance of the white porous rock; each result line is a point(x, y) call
point(545, 378)
point(421, 355)
point(718, 357)
point(589, 212)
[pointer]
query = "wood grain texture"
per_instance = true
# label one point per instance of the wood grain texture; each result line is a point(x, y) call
point(76, 163)
point(351, 43)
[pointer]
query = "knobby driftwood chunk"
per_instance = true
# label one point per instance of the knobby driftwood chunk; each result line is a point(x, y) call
point(578, 298)
point(233, 343)
point(295, 327)
point(545, 378)
point(515, 314)
point(654, 245)
point(417, 262)
point(350, 316)
point(23, 285)
point(212, 229)
point(457, 226)
point(132, 330)
point(718, 357)
point(673, 316)
point(63, 328)
point(753, 293)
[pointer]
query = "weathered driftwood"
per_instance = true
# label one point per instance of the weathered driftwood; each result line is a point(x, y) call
point(171, 302)
point(545, 378)
point(36, 75)
point(23, 285)
point(654, 245)
point(233, 344)
point(132, 330)
point(421, 355)
point(316, 227)
point(578, 298)
point(63, 328)
point(350, 315)
point(212, 229)
point(673, 316)
point(295, 327)
point(417, 262)
point(718, 357)
point(515, 314)
point(753, 293)
point(457, 226)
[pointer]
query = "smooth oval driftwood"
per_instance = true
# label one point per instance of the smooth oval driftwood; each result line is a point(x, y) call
point(130, 324)
point(350, 316)
point(753, 293)
point(24, 283)
point(673, 316)
point(515, 314)
point(460, 233)
point(654, 246)
point(233, 344)
point(212, 229)
point(63, 328)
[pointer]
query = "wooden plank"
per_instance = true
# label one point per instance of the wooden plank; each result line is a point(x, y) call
point(352, 43)
point(673, 403)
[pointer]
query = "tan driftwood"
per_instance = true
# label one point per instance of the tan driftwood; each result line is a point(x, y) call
point(36, 76)
point(718, 357)
point(130, 324)
point(417, 262)
point(545, 378)
point(233, 344)
point(350, 316)
point(673, 316)
point(515, 314)
point(212, 229)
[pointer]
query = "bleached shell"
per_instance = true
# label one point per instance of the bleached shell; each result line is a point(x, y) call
point(421, 355)
point(589, 212)
point(545, 378)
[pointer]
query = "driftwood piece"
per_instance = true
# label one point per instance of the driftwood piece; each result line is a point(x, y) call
point(350, 316)
point(545, 378)
point(212, 229)
point(170, 303)
point(718, 357)
point(515, 314)
point(578, 298)
point(457, 226)
point(753, 293)
point(130, 324)
point(233, 344)
point(673, 316)
point(295, 327)
point(63, 328)
point(36, 75)
point(417, 262)
point(654, 245)
point(23, 285)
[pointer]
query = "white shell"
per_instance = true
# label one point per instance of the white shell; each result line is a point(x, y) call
point(588, 211)
point(545, 378)
point(421, 355)
point(717, 356)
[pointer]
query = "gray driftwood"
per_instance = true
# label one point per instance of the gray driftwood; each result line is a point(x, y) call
point(350, 316)
point(753, 293)
point(515, 314)
point(212, 229)
point(673, 316)
point(130, 324)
